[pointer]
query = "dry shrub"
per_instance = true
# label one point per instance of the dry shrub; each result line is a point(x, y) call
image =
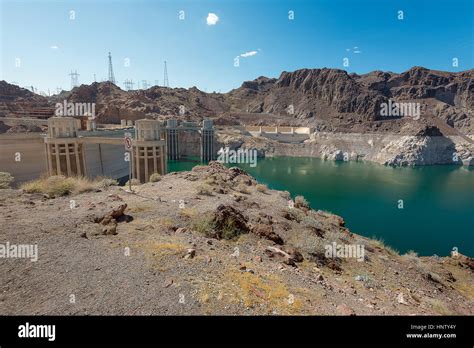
point(155, 177)
point(5, 180)
point(58, 185)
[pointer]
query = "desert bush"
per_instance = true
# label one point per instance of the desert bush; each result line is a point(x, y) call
point(334, 236)
point(294, 214)
point(410, 255)
point(261, 188)
point(210, 180)
point(438, 306)
point(230, 230)
point(5, 180)
point(301, 202)
point(106, 182)
point(58, 185)
point(203, 224)
point(381, 244)
point(204, 189)
point(155, 177)
point(134, 182)
point(242, 188)
point(310, 221)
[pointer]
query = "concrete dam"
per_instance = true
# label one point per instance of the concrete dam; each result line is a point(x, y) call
point(65, 150)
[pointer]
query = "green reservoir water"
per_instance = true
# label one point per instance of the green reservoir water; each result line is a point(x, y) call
point(438, 201)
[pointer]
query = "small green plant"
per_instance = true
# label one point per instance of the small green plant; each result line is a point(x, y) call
point(261, 188)
point(155, 177)
point(230, 230)
point(5, 180)
point(203, 223)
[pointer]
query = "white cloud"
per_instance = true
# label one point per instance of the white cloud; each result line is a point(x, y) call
point(248, 54)
point(54, 47)
point(212, 18)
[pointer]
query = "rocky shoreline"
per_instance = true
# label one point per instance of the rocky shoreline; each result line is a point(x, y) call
point(386, 149)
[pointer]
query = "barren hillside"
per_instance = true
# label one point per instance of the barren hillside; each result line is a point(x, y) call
point(210, 241)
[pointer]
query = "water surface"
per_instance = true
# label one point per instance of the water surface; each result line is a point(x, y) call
point(427, 209)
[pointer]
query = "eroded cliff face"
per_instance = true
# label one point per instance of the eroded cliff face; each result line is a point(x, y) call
point(328, 99)
point(425, 148)
point(333, 100)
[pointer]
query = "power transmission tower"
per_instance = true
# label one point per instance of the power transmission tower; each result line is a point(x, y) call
point(157, 83)
point(165, 77)
point(111, 70)
point(128, 84)
point(144, 84)
point(74, 79)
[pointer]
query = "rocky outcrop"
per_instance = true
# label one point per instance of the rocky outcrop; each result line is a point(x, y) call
point(425, 145)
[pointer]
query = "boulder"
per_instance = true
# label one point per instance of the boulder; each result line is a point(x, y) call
point(266, 231)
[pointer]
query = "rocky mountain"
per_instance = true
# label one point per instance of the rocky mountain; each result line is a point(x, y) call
point(114, 104)
point(14, 99)
point(327, 99)
point(334, 99)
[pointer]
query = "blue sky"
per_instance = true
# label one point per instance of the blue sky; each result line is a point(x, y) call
point(50, 44)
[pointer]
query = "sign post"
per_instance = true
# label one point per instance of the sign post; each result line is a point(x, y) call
point(128, 148)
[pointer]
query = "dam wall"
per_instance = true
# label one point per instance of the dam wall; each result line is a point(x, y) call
point(101, 159)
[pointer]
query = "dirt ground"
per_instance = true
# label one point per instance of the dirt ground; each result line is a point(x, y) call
point(166, 253)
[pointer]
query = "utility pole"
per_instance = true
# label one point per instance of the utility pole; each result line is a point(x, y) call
point(74, 79)
point(111, 70)
point(128, 84)
point(165, 77)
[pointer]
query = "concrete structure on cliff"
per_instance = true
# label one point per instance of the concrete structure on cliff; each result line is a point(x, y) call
point(64, 153)
point(148, 150)
point(153, 146)
point(188, 139)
